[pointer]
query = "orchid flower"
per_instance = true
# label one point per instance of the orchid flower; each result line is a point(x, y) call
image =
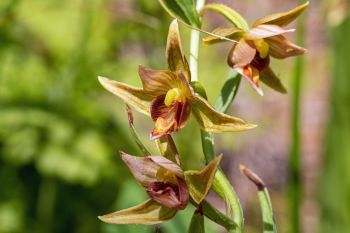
point(168, 97)
point(250, 54)
point(167, 186)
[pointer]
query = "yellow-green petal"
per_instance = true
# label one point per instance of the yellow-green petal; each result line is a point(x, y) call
point(213, 121)
point(148, 213)
point(199, 182)
point(282, 19)
point(135, 97)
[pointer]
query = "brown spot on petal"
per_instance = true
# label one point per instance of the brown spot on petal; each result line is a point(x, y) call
point(166, 194)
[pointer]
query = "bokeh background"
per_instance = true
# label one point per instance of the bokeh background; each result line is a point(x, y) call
point(60, 131)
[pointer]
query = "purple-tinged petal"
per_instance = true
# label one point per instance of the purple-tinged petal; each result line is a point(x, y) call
point(158, 82)
point(241, 54)
point(167, 164)
point(143, 168)
point(282, 19)
point(265, 31)
point(166, 194)
point(148, 213)
point(168, 119)
point(174, 54)
point(280, 47)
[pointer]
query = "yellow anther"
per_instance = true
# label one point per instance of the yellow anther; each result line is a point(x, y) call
point(172, 95)
point(262, 46)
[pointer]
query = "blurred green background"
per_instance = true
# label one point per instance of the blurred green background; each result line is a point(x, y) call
point(60, 131)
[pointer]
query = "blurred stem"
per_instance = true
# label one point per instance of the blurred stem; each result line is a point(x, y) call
point(295, 191)
point(194, 46)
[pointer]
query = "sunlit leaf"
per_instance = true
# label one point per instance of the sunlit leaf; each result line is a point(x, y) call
point(230, 14)
point(184, 10)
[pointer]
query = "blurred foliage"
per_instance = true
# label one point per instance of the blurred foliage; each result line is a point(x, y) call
point(335, 183)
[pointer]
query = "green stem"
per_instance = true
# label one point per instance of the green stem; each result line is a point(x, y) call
point(194, 46)
point(295, 191)
point(224, 189)
point(221, 184)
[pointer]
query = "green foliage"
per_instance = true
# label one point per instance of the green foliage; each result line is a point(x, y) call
point(184, 10)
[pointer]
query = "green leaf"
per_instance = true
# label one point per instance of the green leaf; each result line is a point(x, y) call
point(199, 182)
point(228, 92)
point(197, 222)
point(185, 10)
point(230, 14)
point(148, 213)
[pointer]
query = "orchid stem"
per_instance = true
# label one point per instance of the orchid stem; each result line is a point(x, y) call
point(221, 184)
point(194, 46)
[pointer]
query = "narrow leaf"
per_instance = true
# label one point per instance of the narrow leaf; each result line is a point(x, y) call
point(230, 14)
point(184, 10)
point(147, 213)
point(199, 182)
point(136, 137)
point(228, 92)
point(269, 223)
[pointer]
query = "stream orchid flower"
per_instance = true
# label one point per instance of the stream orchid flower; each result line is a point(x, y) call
point(167, 186)
point(168, 97)
point(250, 55)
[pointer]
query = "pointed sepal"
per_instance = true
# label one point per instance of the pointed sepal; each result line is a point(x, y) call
point(199, 182)
point(282, 19)
point(213, 121)
point(135, 97)
point(268, 77)
point(148, 213)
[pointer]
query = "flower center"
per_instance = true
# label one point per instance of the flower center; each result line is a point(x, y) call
point(172, 95)
point(262, 46)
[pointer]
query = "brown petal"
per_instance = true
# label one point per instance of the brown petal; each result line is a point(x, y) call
point(168, 118)
point(149, 213)
point(265, 31)
point(241, 54)
point(143, 168)
point(169, 194)
point(252, 75)
point(282, 19)
point(167, 164)
point(174, 54)
point(133, 96)
point(158, 82)
point(231, 33)
point(270, 79)
point(280, 47)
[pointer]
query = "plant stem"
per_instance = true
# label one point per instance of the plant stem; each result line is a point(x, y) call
point(221, 184)
point(194, 46)
point(295, 191)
